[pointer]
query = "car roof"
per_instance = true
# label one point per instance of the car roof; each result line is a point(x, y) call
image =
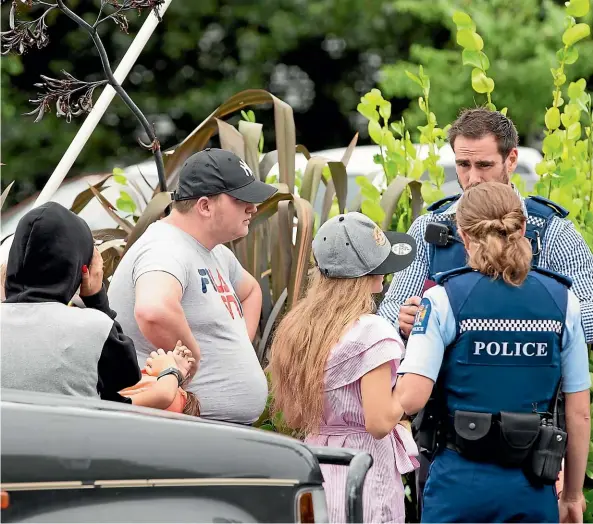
point(94, 214)
point(48, 437)
point(361, 160)
point(361, 163)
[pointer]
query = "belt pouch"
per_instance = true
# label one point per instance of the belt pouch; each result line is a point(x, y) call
point(472, 431)
point(518, 433)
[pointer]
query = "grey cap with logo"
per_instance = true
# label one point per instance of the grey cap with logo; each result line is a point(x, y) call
point(352, 245)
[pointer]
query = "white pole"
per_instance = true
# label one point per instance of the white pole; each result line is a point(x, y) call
point(94, 117)
point(100, 107)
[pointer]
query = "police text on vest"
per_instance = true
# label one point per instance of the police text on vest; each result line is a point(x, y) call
point(528, 349)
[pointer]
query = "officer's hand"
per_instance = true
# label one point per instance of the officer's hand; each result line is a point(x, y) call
point(571, 509)
point(407, 313)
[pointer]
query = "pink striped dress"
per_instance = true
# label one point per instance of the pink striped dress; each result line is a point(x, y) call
point(370, 342)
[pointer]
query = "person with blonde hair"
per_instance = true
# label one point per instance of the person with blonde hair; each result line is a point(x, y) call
point(333, 363)
point(491, 347)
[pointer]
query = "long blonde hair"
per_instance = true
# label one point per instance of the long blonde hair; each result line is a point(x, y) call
point(490, 214)
point(303, 341)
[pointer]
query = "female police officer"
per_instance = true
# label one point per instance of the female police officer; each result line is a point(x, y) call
point(498, 339)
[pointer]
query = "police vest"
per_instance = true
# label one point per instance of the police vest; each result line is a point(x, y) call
point(506, 353)
point(540, 212)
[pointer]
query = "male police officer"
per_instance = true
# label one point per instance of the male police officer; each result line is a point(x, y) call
point(485, 147)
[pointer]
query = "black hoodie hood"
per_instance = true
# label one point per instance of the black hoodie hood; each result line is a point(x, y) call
point(50, 246)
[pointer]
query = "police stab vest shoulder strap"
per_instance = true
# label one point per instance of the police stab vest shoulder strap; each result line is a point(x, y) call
point(536, 205)
point(563, 279)
point(540, 206)
point(441, 278)
point(441, 205)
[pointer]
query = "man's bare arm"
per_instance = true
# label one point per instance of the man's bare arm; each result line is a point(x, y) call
point(159, 313)
point(578, 427)
point(249, 293)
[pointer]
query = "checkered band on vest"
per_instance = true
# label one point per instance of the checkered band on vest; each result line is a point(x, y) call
point(479, 324)
point(442, 217)
point(447, 217)
point(536, 221)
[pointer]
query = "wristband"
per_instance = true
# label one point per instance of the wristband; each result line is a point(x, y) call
point(172, 371)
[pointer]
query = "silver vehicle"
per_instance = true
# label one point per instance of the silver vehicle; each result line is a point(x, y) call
point(361, 164)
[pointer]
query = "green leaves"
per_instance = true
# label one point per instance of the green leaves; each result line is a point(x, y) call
point(414, 78)
point(429, 193)
point(470, 40)
point(421, 79)
point(552, 118)
point(373, 210)
point(373, 97)
point(368, 110)
point(480, 82)
point(385, 109)
point(577, 89)
point(575, 33)
point(570, 55)
point(463, 21)
point(552, 145)
point(126, 203)
point(472, 55)
point(475, 58)
point(118, 176)
point(375, 132)
point(466, 32)
point(577, 8)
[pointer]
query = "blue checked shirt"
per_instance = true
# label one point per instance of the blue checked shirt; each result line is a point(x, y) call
point(563, 250)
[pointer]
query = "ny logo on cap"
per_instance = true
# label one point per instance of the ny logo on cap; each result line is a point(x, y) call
point(245, 168)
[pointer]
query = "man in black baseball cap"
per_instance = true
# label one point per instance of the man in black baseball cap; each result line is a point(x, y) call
point(180, 282)
point(215, 171)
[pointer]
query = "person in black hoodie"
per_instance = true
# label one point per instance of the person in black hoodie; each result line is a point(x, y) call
point(46, 345)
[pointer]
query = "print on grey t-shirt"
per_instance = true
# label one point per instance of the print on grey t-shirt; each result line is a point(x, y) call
point(230, 383)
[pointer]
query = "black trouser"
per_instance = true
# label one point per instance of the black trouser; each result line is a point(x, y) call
point(421, 475)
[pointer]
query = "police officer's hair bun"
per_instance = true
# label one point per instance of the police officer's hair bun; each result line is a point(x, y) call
point(491, 215)
point(510, 223)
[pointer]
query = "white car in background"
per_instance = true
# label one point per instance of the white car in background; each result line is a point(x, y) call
point(361, 164)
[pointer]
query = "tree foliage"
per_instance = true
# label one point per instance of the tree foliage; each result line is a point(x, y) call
point(520, 39)
point(319, 56)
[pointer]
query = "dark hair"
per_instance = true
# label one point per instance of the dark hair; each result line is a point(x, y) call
point(480, 122)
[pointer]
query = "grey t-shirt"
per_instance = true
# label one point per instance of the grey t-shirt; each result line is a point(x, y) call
point(230, 383)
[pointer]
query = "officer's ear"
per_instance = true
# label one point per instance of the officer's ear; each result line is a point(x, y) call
point(465, 239)
point(511, 160)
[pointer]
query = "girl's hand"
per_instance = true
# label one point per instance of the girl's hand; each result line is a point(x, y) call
point(180, 358)
point(160, 360)
point(185, 358)
point(185, 361)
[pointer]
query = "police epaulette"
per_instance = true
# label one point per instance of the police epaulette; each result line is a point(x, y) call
point(563, 279)
point(556, 208)
point(441, 278)
point(439, 203)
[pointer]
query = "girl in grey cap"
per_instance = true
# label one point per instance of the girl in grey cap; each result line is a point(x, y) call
point(333, 363)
